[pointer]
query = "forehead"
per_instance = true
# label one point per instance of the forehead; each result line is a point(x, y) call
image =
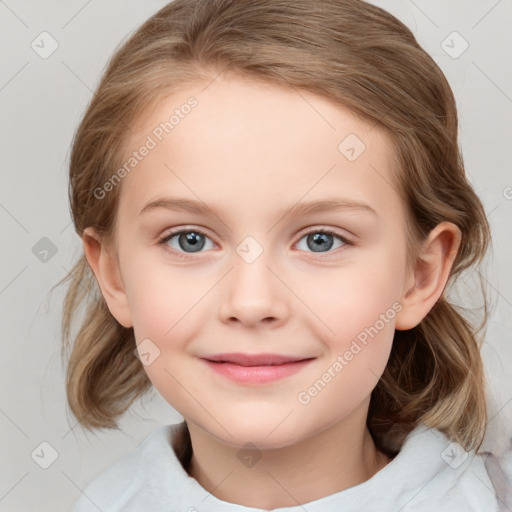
point(250, 144)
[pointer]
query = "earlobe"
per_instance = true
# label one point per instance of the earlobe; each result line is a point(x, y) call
point(106, 270)
point(430, 275)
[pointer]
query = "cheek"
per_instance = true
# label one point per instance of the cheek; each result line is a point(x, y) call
point(359, 310)
point(349, 300)
point(161, 298)
point(165, 311)
point(363, 321)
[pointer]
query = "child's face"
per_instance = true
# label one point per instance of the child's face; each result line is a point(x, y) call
point(249, 152)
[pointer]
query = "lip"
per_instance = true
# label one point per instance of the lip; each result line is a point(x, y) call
point(255, 368)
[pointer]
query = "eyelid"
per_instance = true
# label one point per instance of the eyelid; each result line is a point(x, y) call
point(324, 229)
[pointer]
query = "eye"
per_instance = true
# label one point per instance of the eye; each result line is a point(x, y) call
point(322, 240)
point(185, 241)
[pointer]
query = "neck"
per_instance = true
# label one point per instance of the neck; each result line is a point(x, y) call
point(339, 457)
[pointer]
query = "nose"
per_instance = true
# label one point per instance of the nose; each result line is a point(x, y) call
point(253, 295)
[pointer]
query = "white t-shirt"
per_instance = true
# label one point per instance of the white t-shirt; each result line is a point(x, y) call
point(429, 474)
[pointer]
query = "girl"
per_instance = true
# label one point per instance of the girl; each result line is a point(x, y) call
point(272, 203)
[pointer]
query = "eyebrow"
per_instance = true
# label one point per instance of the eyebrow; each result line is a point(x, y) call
point(301, 208)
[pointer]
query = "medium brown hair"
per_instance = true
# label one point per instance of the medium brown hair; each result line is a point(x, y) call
point(354, 54)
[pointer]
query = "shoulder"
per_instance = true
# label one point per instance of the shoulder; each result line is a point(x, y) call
point(499, 469)
point(441, 475)
point(110, 490)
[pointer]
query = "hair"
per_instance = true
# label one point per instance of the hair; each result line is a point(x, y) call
point(356, 55)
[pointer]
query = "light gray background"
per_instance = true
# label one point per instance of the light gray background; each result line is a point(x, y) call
point(42, 101)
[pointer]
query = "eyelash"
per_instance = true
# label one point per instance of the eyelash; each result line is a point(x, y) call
point(190, 256)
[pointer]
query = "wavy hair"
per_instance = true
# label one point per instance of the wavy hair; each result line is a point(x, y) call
point(354, 54)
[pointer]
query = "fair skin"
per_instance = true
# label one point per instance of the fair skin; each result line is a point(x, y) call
point(250, 151)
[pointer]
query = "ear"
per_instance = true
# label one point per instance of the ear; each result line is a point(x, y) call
point(427, 281)
point(105, 266)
